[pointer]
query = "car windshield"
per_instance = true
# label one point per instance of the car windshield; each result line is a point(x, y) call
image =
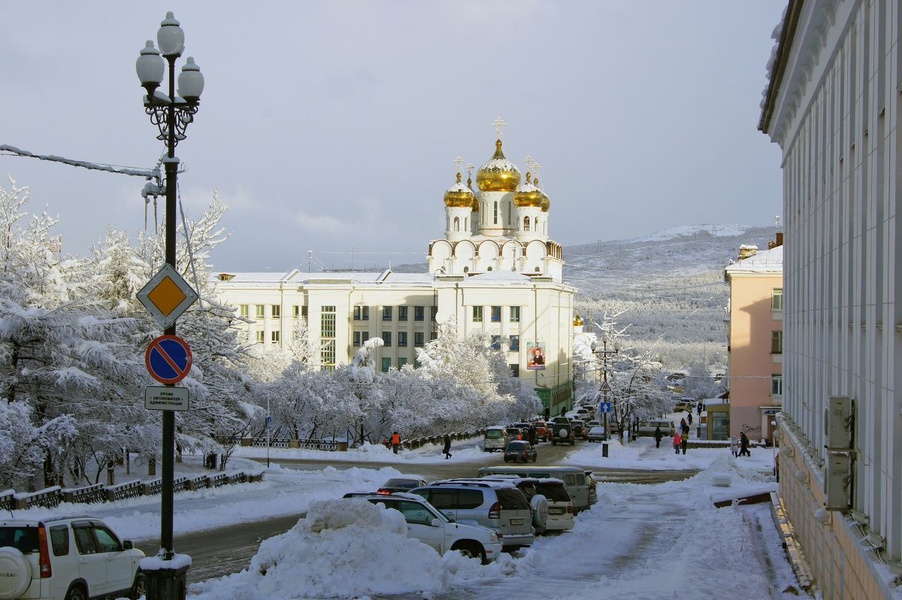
point(493, 434)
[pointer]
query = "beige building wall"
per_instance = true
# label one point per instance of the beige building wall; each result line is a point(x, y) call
point(756, 359)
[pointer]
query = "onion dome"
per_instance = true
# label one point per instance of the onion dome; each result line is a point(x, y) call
point(459, 195)
point(577, 321)
point(528, 194)
point(475, 206)
point(546, 201)
point(499, 174)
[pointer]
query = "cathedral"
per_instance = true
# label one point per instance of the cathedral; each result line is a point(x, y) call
point(495, 271)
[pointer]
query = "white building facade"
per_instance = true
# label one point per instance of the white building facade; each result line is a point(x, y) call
point(495, 271)
point(832, 104)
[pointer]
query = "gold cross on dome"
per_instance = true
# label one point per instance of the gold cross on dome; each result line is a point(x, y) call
point(459, 160)
point(470, 168)
point(498, 123)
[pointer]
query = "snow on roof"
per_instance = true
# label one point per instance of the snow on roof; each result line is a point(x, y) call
point(496, 276)
point(764, 261)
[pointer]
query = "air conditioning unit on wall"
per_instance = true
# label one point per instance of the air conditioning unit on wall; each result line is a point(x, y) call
point(838, 421)
point(838, 481)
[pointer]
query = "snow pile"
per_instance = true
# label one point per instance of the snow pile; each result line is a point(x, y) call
point(343, 549)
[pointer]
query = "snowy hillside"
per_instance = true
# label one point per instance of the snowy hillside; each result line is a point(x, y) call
point(668, 287)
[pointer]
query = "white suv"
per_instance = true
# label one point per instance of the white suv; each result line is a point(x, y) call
point(429, 525)
point(71, 558)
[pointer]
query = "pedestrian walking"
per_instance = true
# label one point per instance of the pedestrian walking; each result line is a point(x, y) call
point(698, 409)
point(689, 419)
point(447, 449)
point(734, 447)
point(395, 441)
point(684, 443)
point(658, 435)
point(677, 442)
point(744, 445)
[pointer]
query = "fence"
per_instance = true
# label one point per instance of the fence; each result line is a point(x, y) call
point(53, 496)
point(333, 445)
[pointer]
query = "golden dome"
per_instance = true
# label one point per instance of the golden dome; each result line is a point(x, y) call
point(499, 174)
point(528, 194)
point(459, 195)
point(546, 201)
point(577, 322)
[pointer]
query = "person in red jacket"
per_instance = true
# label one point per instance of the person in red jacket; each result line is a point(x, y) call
point(677, 442)
point(395, 442)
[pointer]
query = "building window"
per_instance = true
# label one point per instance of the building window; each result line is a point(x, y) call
point(496, 342)
point(386, 313)
point(295, 311)
point(386, 365)
point(402, 313)
point(260, 337)
point(259, 311)
point(526, 224)
point(361, 313)
point(433, 335)
point(304, 311)
point(477, 314)
point(275, 337)
point(496, 314)
point(434, 311)
point(242, 310)
point(776, 385)
point(402, 360)
point(495, 212)
point(356, 339)
point(327, 337)
point(776, 299)
point(419, 313)
point(514, 343)
point(515, 314)
point(418, 339)
point(402, 339)
point(276, 311)
point(515, 370)
point(386, 337)
point(776, 342)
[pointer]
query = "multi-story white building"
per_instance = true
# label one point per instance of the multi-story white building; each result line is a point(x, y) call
point(495, 271)
point(833, 105)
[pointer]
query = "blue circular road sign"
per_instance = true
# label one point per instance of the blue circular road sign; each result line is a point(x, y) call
point(168, 359)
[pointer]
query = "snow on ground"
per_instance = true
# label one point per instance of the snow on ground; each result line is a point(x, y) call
point(639, 541)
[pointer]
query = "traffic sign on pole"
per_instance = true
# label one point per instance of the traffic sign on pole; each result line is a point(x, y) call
point(166, 296)
point(168, 359)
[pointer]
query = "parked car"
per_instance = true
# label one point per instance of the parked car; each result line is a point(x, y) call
point(401, 484)
point(684, 404)
point(580, 483)
point(579, 428)
point(647, 428)
point(538, 504)
point(71, 558)
point(562, 432)
point(495, 438)
point(502, 508)
point(597, 434)
point(430, 525)
point(560, 506)
point(519, 451)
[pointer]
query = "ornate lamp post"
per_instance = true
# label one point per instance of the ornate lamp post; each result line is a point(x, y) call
point(172, 113)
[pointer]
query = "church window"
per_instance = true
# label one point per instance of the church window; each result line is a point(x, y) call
point(456, 223)
point(526, 224)
point(495, 212)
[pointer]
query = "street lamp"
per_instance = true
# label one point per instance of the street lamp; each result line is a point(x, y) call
point(605, 387)
point(171, 113)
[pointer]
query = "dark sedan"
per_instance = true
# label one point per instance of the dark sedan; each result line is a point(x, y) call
point(519, 451)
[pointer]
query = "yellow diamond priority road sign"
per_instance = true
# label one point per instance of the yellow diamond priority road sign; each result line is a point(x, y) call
point(166, 296)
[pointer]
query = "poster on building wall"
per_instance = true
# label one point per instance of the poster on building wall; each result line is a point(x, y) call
point(535, 356)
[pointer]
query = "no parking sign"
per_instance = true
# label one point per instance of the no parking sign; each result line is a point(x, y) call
point(168, 359)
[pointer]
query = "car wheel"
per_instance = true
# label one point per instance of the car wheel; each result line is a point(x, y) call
point(76, 592)
point(16, 572)
point(139, 588)
point(471, 550)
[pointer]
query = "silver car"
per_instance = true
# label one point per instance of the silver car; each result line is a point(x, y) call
point(498, 506)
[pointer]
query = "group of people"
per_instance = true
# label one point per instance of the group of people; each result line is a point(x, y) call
point(395, 443)
point(740, 448)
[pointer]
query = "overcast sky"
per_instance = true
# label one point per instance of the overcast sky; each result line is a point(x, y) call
point(334, 126)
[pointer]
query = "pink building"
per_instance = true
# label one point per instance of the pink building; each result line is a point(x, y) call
point(755, 340)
